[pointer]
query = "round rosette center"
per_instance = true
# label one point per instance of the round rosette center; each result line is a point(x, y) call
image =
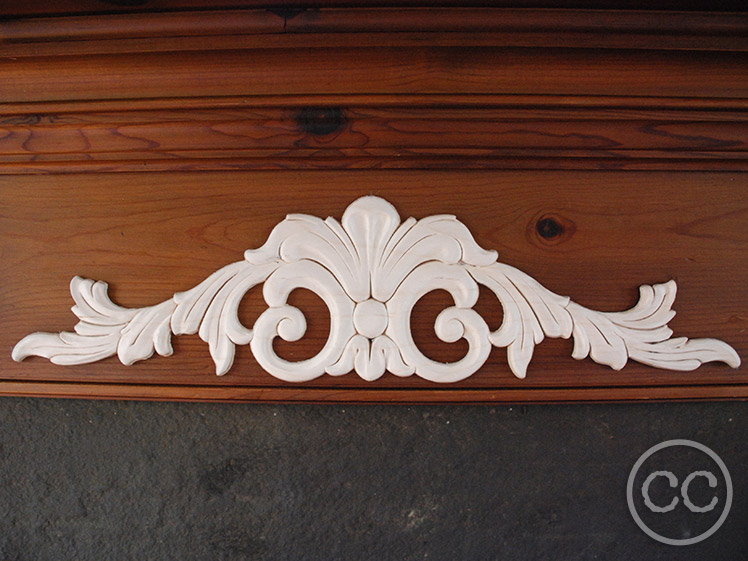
point(370, 318)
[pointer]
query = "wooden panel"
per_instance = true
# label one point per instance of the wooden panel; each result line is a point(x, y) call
point(152, 149)
point(150, 235)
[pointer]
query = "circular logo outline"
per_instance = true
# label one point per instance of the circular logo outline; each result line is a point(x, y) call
point(661, 446)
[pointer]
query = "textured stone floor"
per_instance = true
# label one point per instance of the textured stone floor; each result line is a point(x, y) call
point(98, 480)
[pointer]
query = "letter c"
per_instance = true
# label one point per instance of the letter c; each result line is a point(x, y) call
point(673, 483)
point(684, 491)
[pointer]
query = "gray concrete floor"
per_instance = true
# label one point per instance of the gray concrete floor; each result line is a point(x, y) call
point(97, 480)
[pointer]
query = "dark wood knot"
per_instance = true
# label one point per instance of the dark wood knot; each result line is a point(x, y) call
point(549, 228)
point(321, 121)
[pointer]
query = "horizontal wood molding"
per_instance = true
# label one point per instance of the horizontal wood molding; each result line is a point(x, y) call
point(241, 394)
point(261, 28)
point(289, 8)
point(425, 69)
point(317, 132)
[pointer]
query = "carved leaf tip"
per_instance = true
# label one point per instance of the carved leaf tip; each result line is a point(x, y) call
point(103, 330)
point(685, 354)
point(642, 334)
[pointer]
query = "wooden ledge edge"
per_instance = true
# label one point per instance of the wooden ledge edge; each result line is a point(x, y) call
point(350, 395)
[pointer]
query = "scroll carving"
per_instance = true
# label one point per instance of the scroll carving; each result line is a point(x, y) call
point(370, 269)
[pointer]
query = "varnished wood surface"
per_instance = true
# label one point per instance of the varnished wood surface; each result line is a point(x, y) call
point(262, 28)
point(412, 396)
point(311, 132)
point(150, 149)
point(351, 51)
point(10, 8)
point(63, 8)
point(435, 70)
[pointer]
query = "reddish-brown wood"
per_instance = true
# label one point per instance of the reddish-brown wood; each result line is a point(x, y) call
point(149, 150)
point(358, 27)
point(436, 70)
point(314, 395)
point(583, 136)
point(374, 132)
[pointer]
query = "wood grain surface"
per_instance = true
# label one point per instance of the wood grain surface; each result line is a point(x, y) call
point(596, 151)
point(320, 132)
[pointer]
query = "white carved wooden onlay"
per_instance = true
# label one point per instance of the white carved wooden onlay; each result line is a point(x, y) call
point(371, 269)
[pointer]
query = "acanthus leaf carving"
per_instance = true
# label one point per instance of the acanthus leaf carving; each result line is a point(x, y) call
point(370, 269)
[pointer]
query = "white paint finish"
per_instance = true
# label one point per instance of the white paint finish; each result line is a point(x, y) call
point(370, 318)
point(371, 269)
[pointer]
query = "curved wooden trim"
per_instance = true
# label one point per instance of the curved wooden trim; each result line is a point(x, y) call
point(474, 26)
